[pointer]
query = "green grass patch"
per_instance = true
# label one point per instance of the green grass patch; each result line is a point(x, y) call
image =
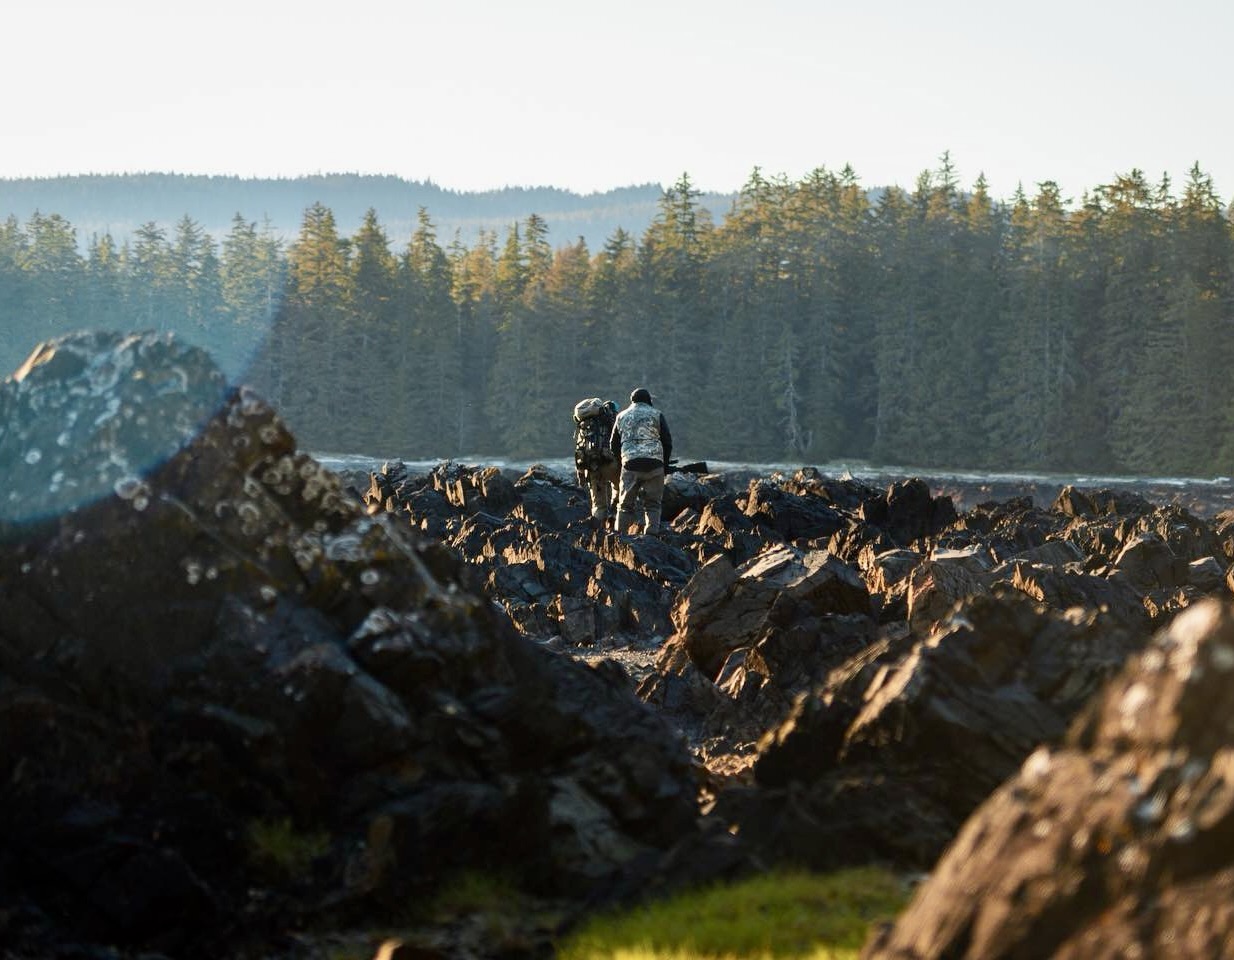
point(494, 907)
point(778, 916)
point(470, 892)
point(276, 847)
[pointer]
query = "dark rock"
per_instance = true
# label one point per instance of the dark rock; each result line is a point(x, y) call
point(724, 522)
point(795, 518)
point(1206, 574)
point(936, 586)
point(952, 716)
point(214, 618)
point(1112, 843)
point(689, 491)
point(724, 609)
point(1064, 588)
point(1051, 553)
point(908, 512)
point(861, 815)
point(1149, 564)
point(1076, 502)
point(546, 499)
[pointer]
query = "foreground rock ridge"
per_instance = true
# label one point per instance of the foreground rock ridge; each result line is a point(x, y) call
point(1115, 842)
point(227, 642)
point(247, 702)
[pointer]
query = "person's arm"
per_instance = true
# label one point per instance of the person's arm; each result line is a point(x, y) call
point(666, 441)
point(614, 442)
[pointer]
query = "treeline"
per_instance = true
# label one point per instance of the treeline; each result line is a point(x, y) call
point(928, 327)
point(119, 204)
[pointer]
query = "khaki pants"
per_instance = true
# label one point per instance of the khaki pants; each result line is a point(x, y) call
point(644, 485)
point(601, 487)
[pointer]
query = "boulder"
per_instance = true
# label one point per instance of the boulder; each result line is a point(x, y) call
point(951, 716)
point(204, 633)
point(1112, 843)
point(909, 512)
point(936, 586)
point(1206, 575)
point(1150, 564)
point(1064, 588)
point(795, 518)
point(550, 500)
point(1075, 501)
point(689, 491)
point(722, 609)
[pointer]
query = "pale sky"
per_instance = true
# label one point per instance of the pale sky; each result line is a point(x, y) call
point(480, 94)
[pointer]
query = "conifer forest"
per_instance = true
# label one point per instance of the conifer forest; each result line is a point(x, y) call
point(815, 320)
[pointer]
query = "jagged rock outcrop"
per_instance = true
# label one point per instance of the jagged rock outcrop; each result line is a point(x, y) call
point(208, 635)
point(837, 732)
point(896, 658)
point(1114, 843)
point(946, 719)
point(909, 512)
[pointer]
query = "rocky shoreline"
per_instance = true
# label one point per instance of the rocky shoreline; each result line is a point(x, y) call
point(209, 638)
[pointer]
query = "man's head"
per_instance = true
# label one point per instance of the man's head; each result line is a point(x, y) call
point(641, 395)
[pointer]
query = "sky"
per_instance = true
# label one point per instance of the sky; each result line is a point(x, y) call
point(585, 96)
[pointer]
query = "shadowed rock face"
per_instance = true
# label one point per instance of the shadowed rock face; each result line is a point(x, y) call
point(213, 635)
point(1115, 842)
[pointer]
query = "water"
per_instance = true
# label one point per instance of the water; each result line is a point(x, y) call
point(872, 475)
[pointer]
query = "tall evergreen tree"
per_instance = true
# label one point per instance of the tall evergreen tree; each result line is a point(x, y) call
point(511, 361)
point(251, 279)
point(1134, 329)
point(610, 320)
point(55, 271)
point(151, 287)
point(738, 348)
point(897, 366)
point(480, 315)
point(432, 348)
point(309, 329)
point(102, 302)
point(565, 322)
point(369, 341)
point(196, 307)
point(972, 318)
point(830, 218)
point(1035, 371)
point(22, 326)
point(673, 350)
point(1201, 301)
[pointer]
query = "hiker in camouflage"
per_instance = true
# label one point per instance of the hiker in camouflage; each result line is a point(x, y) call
point(595, 465)
point(642, 442)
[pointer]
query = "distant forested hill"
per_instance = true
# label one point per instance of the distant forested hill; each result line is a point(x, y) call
point(117, 205)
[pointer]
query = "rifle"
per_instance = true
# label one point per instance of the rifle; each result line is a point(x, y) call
point(697, 467)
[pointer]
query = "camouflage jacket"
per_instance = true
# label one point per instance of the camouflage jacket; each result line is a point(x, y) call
point(641, 433)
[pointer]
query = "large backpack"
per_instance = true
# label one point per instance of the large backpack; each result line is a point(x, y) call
point(593, 427)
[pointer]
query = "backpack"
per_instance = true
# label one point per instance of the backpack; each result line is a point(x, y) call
point(593, 427)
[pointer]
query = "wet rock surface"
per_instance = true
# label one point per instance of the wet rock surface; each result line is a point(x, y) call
point(412, 675)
